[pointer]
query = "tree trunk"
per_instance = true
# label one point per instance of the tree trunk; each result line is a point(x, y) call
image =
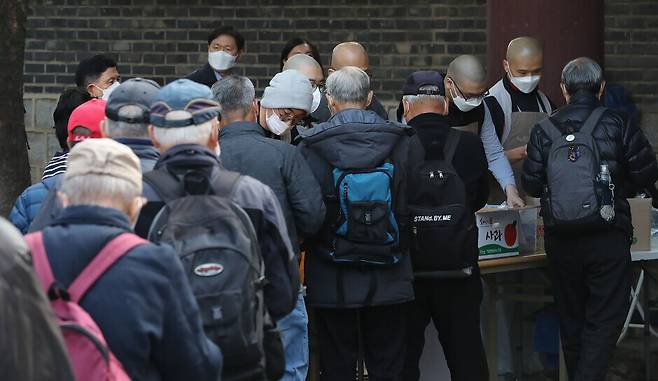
point(14, 165)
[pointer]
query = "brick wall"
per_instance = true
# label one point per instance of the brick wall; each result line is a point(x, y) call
point(165, 39)
point(631, 55)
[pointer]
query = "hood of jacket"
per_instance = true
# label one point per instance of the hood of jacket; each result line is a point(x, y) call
point(355, 138)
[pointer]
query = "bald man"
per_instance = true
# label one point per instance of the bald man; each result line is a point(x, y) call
point(308, 66)
point(354, 54)
point(515, 103)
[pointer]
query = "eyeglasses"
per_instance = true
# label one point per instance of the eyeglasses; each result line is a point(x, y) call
point(318, 85)
point(289, 116)
point(470, 97)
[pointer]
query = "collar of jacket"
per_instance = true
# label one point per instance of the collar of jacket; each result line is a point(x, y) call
point(348, 116)
point(584, 98)
point(92, 215)
point(241, 128)
point(186, 153)
point(355, 139)
point(135, 142)
point(429, 119)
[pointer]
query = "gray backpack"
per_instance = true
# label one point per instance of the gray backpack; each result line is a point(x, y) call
point(574, 195)
point(218, 247)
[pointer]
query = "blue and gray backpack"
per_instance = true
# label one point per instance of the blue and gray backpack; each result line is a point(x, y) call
point(366, 232)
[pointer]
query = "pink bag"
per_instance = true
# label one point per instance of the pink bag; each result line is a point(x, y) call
point(90, 356)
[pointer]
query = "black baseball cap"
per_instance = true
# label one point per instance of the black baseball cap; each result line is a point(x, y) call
point(138, 92)
point(418, 79)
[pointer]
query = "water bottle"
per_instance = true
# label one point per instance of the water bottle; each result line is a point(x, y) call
point(607, 202)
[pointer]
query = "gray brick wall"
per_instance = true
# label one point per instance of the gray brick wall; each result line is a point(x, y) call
point(631, 55)
point(165, 39)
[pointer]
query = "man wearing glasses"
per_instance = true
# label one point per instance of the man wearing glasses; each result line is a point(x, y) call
point(310, 68)
point(466, 87)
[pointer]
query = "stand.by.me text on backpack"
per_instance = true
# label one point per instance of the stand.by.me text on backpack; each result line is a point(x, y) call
point(443, 243)
point(574, 195)
point(218, 247)
point(90, 356)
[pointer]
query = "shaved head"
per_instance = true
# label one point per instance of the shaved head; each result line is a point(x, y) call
point(349, 54)
point(465, 77)
point(524, 47)
point(467, 68)
point(525, 56)
point(306, 65)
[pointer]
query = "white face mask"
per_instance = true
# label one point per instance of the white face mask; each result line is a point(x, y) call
point(463, 104)
point(275, 124)
point(221, 60)
point(317, 96)
point(526, 84)
point(109, 90)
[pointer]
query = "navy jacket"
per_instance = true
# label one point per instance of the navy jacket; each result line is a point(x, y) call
point(204, 75)
point(356, 138)
point(143, 304)
point(148, 155)
point(247, 150)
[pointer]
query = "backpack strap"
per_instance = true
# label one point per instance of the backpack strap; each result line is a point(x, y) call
point(550, 129)
point(164, 184)
point(223, 182)
point(592, 121)
point(450, 146)
point(112, 252)
point(40, 260)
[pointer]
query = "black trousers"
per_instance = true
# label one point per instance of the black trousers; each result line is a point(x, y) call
point(591, 276)
point(454, 307)
point(382, 331)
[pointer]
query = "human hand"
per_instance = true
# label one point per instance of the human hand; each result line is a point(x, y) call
point(517, 154)
point(513, 198)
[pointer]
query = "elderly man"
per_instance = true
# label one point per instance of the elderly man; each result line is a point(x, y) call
point(98, 75)
point(127, 120)
point(354, 54)
point(225, 46)
point(247, 150)
point(185, 128)
point(144, 291)
point(358, 272)
point(313, 71)
point(452, 304)
point(589, 263)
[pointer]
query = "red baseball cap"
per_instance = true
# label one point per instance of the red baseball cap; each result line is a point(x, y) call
point(88, 115)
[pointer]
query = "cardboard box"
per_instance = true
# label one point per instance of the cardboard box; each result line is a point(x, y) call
point(641, 213)
point(506, 232)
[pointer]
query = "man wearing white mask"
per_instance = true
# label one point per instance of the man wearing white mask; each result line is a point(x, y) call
point(245, 148)
point(515, 103)
point(225, 46)
point(98, 75)
point(313, 71)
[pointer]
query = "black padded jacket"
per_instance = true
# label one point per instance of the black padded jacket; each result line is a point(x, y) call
point(621, 144)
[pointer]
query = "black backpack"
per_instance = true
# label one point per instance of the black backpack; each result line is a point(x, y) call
point(574, 195)
point(219, 250)
point(443, 240)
